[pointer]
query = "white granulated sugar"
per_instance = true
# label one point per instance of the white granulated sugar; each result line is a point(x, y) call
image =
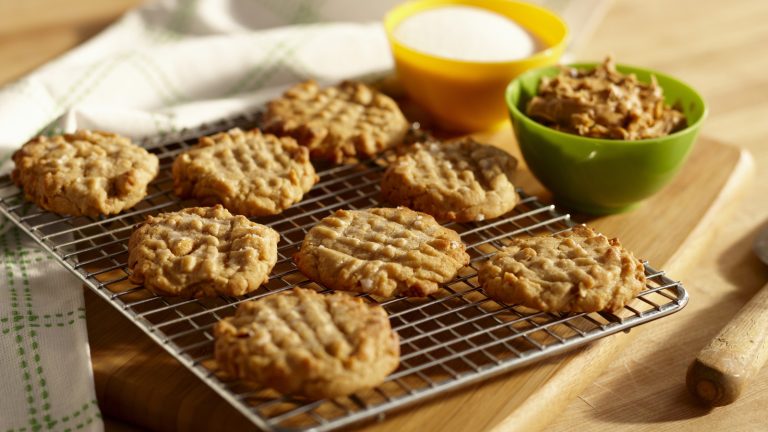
point(466, 33)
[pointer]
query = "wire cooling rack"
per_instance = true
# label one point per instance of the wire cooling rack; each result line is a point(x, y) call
point(450, 339)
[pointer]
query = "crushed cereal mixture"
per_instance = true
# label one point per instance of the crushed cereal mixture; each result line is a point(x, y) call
point(604, 103)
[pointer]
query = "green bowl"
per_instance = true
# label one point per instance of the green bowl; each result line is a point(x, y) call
point(601, 176)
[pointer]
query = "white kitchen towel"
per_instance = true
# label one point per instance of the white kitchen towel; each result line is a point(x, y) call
point(44, 365)
point(168, 65)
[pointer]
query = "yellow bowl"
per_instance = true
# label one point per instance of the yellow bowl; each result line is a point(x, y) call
point(468, 96)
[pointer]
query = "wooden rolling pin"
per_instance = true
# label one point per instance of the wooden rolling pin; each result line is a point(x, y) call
point(724, 367)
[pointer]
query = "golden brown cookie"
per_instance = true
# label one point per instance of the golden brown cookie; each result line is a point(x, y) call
point(381, 251)
point(303, 343)
point(249, 173)
point(456, 180)
point(576, 271)
point(85, 173)
point(201, 252)
point(341, 124)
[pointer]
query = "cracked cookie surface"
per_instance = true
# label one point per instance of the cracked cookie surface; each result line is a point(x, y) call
point(576, 271)
point(248, 172)
point(456, 180)
point(201, 252)
point(381, 251)
point(342, 123)
point(303, 343)
point(85, 173)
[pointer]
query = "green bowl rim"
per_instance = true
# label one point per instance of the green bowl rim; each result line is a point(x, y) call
point(583, 139)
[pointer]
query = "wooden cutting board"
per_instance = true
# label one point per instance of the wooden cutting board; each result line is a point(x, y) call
point(138, 382)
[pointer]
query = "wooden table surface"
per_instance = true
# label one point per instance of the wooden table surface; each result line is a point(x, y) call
point(720, 49)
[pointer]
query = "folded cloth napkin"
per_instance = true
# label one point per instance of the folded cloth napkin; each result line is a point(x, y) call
point(168, 65)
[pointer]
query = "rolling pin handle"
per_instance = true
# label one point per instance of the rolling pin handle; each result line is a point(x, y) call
point(723, 368)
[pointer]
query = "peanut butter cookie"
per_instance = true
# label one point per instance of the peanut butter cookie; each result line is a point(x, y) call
point(576, 271)
point(201, 252)
point(303, 343)
point(457, 180)
point(341, 124)
point(85, 173)
point(381, 251)
point(249, 173)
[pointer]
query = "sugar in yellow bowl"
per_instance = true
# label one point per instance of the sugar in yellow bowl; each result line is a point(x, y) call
point(462, 85)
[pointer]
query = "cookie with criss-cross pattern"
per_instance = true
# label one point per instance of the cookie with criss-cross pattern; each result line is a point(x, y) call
point(576, 271)
point(303, 343)
point(342, 123)
point(460, 180)
point(381, 251)
point(201, 252)
point(85, 173)
point(249, 173)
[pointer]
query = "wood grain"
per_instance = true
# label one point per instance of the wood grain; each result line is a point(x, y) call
point(34, 31)
point(707, 45)
point(128, 366)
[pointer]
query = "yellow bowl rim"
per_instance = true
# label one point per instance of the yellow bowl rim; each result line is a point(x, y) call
point(390, 23)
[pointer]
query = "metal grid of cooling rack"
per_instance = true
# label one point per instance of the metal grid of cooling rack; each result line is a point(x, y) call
point(449, 339)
